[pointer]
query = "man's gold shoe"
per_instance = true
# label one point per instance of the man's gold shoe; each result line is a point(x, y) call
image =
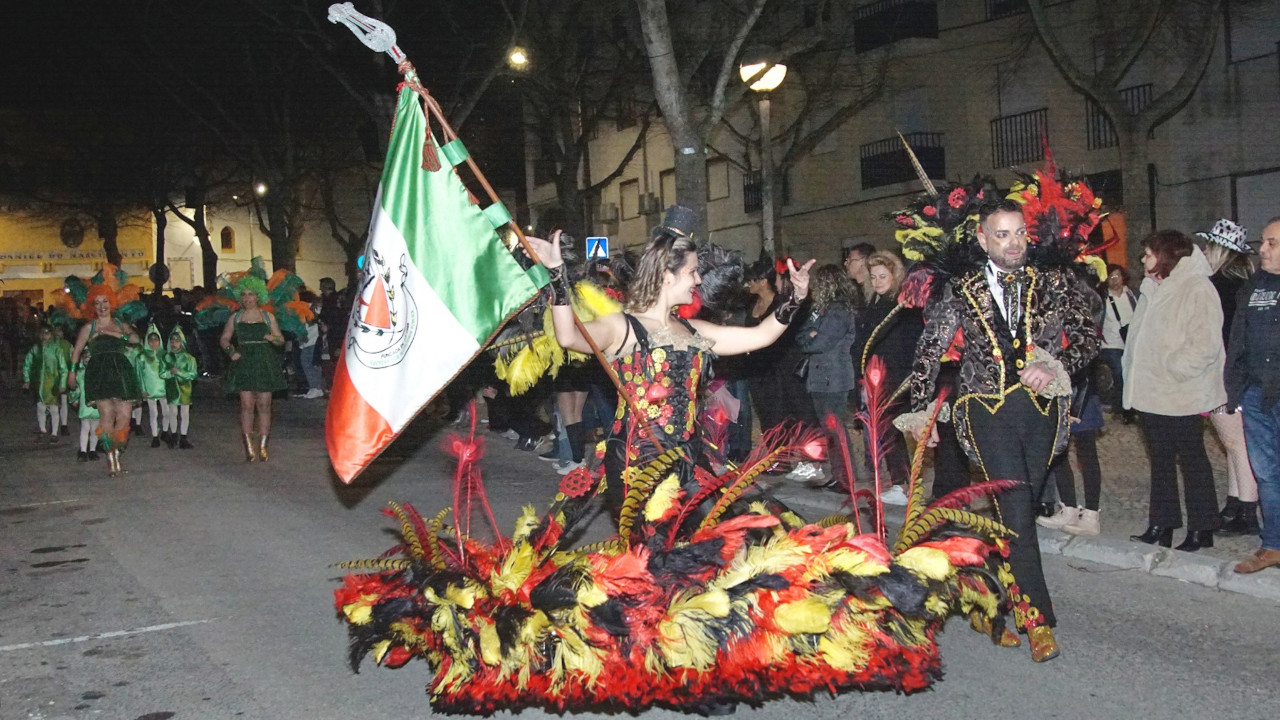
point(981, 623)
point(1043, 646)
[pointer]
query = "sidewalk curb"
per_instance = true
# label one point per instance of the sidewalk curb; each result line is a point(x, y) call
point(1152, 560)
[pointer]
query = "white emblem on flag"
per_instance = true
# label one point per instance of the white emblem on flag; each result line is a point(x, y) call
point(386, 318)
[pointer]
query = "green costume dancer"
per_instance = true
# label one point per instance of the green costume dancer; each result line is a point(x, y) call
point(147, 361)
point(44, 372)
point(260, 365)
point(179, 372)
point(88, 415)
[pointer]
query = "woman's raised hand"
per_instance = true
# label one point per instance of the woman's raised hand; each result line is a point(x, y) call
point(799, 277)
point(548, 251)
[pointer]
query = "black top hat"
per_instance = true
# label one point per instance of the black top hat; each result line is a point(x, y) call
point(679, 220)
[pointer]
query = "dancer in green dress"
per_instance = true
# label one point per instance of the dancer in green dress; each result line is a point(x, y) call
point(253, 340)
point(110, 381)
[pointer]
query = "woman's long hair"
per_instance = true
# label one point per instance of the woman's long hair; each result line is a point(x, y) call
point(1227, 262)
point(831, 286)
point(667, 252)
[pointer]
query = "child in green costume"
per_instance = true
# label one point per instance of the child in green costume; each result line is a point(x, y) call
point(178, 371)
point(44, 372)
point(64, 347)
point(147, 361)
point(88, 415)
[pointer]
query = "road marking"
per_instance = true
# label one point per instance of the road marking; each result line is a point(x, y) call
point(40, 504)
point(102, 636)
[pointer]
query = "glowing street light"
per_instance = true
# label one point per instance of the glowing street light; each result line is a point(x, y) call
point(518, 58)
point(260, 189)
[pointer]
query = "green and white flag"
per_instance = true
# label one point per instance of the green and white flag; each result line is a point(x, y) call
point(436, 284)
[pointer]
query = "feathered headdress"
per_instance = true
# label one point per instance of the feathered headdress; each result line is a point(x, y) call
point(277, 294)
point(110, 282)
point(1061, 214)
point(939, 232)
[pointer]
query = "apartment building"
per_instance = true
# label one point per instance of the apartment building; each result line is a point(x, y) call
point(974, 92)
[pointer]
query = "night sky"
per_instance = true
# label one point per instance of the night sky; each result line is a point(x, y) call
point(136, 71)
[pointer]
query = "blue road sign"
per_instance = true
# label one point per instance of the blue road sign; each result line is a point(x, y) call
point(597, 248)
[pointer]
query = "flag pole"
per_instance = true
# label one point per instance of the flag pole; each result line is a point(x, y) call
point(380, 37)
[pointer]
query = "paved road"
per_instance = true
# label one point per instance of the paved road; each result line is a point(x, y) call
point(198, 587)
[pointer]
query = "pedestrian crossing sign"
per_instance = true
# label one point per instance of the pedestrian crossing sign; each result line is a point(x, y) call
point(597, 248)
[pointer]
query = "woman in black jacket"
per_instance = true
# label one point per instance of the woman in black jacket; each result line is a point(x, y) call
point(826, 340)
point(893, 340)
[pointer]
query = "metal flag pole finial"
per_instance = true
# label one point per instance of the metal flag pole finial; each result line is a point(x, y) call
point(375, 35)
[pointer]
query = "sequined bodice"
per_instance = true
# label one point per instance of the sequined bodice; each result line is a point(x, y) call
point(663, 374)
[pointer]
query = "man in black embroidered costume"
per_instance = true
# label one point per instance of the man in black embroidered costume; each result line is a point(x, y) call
point(1025, 330)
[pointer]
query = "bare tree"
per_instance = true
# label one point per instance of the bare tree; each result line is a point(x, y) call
point(586, 72)
point(691, 123)
point(1131, 29)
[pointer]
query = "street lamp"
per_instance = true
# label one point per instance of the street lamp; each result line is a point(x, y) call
point(518, 58)
point(762, 73)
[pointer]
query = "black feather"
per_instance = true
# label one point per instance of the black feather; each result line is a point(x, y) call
point(721, 271)
point(772, 581)
point(611, 617)
point(685, 562)
point(558, 590)
point(906, 591)
point(507, 620)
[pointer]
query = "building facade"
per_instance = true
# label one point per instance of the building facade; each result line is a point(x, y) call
point(974, 91)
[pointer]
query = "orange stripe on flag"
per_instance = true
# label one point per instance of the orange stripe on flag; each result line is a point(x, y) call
point(354, 432)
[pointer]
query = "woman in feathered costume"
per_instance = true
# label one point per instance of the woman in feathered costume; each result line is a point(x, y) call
point(703, 598)
point(110, 381)
point(663, 359)
point(255, 313)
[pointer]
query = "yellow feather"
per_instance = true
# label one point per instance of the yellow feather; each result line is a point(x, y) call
point(809, 615)
point(712, 602)
point(525, 524)
point(663, 498)
point(514, 570)
point(929, 562)
point(490, 647)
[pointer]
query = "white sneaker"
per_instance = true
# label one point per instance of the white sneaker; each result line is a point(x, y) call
point(564, 468)
point(894, 496)
point(314, 393)
point(1060, 519)
point(1085, 524)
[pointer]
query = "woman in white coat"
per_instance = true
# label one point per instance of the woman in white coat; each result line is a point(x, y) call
point(1173, 361)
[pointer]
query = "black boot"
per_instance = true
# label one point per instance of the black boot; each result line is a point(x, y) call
point(1155, 535)
point(185, 444)
point(577, 433)
point(82, 457)
point(172, 442)
point(1196, 539)
point(155, 441)
point(1246, 520)
point(1230, 509)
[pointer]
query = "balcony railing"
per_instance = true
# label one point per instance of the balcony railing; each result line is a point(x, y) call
point(753, 191)
point(1019, 139)
point(1101, 132)
point(887, 21)
point(997, 9)
point(885, 162)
